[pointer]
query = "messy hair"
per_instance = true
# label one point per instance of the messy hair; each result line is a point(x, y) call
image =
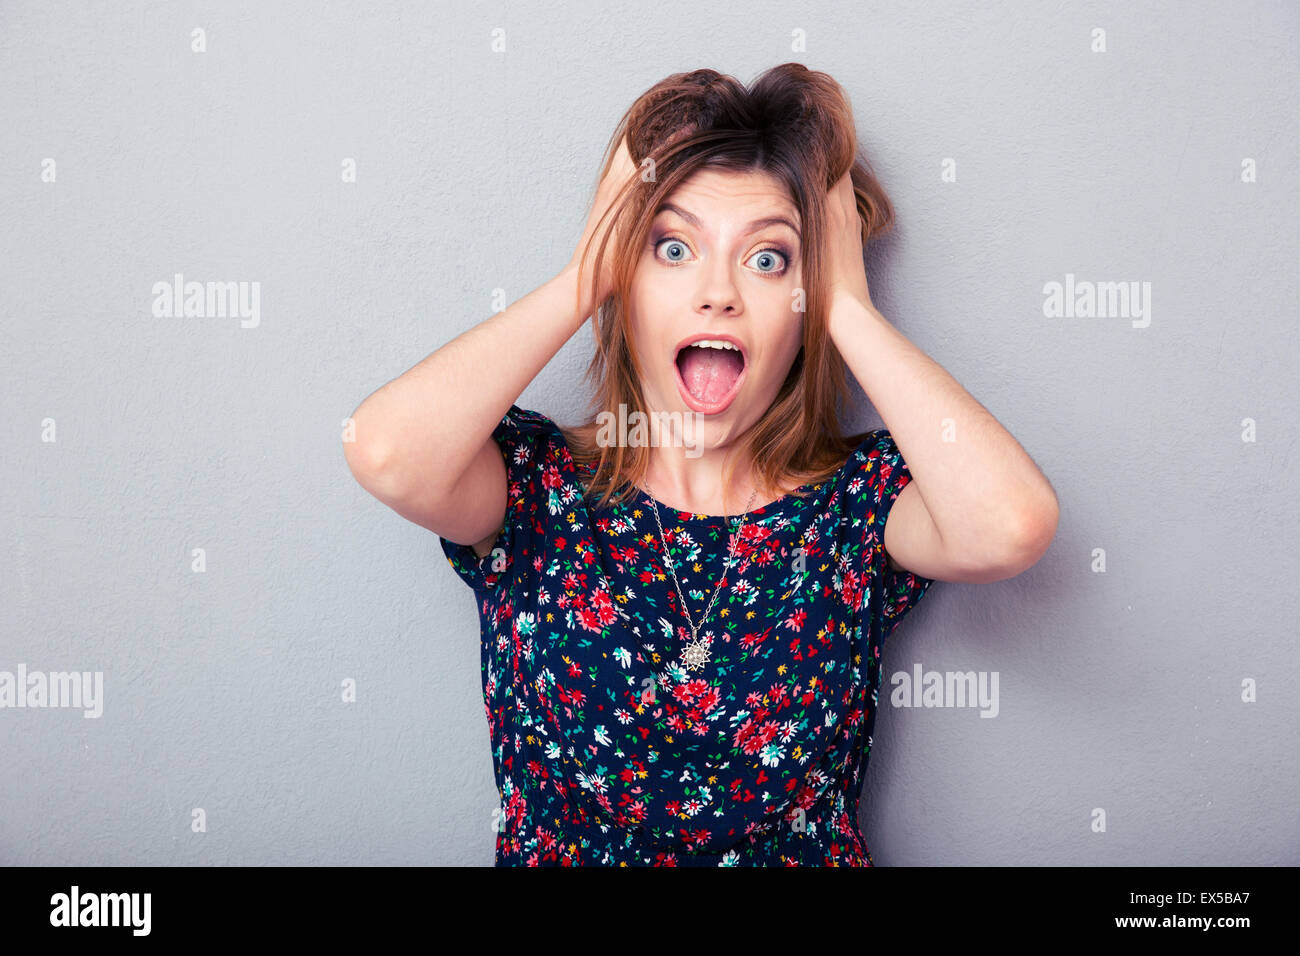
point(796, 125)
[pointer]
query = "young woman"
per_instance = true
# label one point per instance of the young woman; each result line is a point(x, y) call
point(682, 626)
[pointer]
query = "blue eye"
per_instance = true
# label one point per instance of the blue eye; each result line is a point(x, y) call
point(771, 256)
point(673, 242)
point(771, 262)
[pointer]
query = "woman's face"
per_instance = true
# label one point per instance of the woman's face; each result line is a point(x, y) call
point(722, 262)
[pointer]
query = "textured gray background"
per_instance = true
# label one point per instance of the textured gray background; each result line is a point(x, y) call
point(222, 690)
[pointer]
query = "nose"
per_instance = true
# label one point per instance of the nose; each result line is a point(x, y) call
point(718, 294)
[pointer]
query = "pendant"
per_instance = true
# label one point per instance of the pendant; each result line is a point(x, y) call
point(696, 654)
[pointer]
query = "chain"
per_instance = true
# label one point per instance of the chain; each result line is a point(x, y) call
point(731, 551)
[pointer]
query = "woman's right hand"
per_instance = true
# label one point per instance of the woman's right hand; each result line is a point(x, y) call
point(621, 169)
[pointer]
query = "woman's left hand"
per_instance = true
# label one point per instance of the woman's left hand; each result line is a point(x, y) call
point(848, 276)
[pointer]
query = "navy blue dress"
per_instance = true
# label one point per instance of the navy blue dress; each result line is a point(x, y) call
point(609, 747)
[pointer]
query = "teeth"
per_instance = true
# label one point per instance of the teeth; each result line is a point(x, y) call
point(715, 344)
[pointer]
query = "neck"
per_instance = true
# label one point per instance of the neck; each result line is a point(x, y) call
point(696, 485)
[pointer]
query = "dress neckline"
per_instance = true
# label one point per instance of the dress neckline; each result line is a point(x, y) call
point(760, 513)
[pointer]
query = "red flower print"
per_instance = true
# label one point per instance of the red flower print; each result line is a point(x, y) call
point(851, 591)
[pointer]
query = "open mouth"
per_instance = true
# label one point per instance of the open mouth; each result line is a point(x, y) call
point(710, 372)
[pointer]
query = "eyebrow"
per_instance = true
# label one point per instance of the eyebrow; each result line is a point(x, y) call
point(754, 226)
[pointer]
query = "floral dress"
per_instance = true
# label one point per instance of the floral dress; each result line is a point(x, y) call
point(607, 750)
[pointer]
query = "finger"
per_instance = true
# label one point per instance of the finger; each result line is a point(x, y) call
point(623, 159)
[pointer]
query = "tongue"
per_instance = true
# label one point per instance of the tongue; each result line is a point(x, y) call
point(709, 373)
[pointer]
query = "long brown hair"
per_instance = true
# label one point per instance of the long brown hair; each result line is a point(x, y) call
point(795, 124)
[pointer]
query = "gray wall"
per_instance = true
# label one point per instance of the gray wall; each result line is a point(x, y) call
point(1119, 690)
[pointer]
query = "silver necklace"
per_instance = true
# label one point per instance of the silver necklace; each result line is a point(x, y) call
point(696, 653)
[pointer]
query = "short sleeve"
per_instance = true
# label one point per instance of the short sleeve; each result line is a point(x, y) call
point(885, 475)
point(530, 445)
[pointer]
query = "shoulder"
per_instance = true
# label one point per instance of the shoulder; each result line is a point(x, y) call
point(528, 437)
point(537, 485)
point(526, 423)
point(875, 476)
point(876, 465)
point(879, 475)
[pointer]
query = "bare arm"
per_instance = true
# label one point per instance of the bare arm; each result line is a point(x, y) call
point(424, 443)
point(977, 509)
